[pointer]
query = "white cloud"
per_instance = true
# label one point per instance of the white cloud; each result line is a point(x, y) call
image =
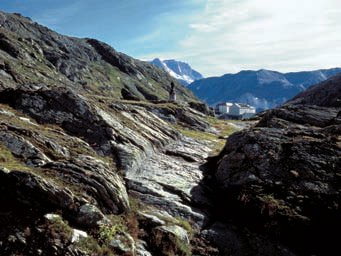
point(230, 35)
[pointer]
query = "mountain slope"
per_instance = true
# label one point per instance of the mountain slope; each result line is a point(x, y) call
point(263, 88)
point(30, 53)
point(326, 94)
point(179, 70)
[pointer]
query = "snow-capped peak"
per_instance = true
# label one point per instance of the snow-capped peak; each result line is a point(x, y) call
point(179, 70)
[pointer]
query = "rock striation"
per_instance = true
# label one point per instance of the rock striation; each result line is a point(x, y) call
point(80, 124)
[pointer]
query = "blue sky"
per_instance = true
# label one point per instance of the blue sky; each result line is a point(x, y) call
point(213, 36)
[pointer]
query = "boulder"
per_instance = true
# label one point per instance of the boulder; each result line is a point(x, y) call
point(78, 235)
point(90, 216)
point(152, 220)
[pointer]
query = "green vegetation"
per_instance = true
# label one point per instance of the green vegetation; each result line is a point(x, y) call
point(195, 134)
point(217, 141)
point(91, 247)
point(124, 223)
point(10, 162)
point(183, 247)
point(272, 206)
point(131, 217)
point(171, 106)
point(186, 225)
point(223, 126)
point(108, 231)
point(104, 80)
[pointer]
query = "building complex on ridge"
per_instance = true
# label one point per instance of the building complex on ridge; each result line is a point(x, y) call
point(228, 110)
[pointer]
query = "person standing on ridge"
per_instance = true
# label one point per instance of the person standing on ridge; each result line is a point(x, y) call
point(172, 94)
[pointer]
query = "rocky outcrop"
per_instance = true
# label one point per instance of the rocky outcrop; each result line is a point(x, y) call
point(35, 190)
point(105, 131)
point(63, 153)
point(185, 114)
point(21, 147)
point(50, 236)
point(282, 177)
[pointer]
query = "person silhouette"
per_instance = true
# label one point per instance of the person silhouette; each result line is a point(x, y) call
point(172, 94)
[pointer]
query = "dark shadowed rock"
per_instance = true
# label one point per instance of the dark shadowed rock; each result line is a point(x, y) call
point(233, 241)
point(282, 177)
point(36, 191)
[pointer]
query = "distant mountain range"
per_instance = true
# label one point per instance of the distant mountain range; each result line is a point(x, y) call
point(179, 70)
point(263, 89)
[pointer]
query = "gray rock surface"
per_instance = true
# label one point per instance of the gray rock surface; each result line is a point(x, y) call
point(179, 232)
point(141, 249)
point(170, 181)
point(123, 243)
point(23, 148)
point(171, 240)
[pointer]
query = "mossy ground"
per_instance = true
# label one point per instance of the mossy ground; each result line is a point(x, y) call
point(217, 140)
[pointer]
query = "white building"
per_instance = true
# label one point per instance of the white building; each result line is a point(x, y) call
point(227, 110)
point(242, 110)
point(223, 108)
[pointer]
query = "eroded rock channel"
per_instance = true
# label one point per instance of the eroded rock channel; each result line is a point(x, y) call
point(170, 179)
